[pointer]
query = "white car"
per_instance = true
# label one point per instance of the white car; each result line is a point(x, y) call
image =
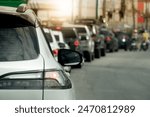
point(62, 44)
point(60, 39)
point(52, 41)
point(28, 70)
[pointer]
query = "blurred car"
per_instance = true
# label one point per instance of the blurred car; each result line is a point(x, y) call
point(99, 44)
point(62, 45)
point(28, 69)
point(86, 41)
point(60, 40)
point(123, 40)
point(110, 40)
point(52, 41)
point(71, 37)
point(93, 24)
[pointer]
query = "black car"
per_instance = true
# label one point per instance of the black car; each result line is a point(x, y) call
point(123, 40)
point(71, 38)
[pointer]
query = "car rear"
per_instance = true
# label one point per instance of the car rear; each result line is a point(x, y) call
point(71, 38)
point(123, 40)
point(87, 42)
point(108, 40)
point(21, 64)
point(28, 71)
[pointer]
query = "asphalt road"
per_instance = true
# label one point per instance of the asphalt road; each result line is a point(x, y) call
point(118, 76)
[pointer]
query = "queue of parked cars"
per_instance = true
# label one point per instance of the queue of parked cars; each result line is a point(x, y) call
point(36, 61)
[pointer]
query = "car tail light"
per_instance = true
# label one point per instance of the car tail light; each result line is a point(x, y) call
point(55, 52)
point(54, 79)
point(48, 80)
point(108, 39)
point(58, 28)
point(76, 43)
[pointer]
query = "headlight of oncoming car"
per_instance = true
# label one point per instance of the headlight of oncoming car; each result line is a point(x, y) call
point(124, 40)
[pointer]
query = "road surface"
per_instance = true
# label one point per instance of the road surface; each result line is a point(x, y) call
point(118, 76)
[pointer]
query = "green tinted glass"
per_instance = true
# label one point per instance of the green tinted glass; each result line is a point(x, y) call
point(13, 3)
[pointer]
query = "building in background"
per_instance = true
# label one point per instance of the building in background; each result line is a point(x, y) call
point(136, 12)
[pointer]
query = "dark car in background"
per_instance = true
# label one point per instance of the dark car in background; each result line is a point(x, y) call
point(72, 39)
point(101, 43)
point(110, 40)
point(123, 40)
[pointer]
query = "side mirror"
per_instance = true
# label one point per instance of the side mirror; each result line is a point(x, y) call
point(68, 57)
point(61, 45)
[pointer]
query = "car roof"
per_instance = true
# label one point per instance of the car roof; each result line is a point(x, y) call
point(27, 15)
point(57, 32)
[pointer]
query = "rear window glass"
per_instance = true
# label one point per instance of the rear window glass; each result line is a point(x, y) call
point(18, 40)
point(104, 32)
point(13, 21)
point(57, 38)
point(69, 33)
point(49, 37)
point(80, 30)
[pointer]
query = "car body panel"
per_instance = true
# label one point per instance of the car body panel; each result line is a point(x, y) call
point(55, 94)
point(21, 66)
point(21, 94)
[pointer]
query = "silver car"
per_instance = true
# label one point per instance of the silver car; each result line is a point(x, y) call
point(86, 41)
point(28, 69)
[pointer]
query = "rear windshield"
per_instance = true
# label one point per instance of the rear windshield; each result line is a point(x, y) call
point(18, 40)
point(80, 30)
point(57, 37)
point(69, 33)
point(49, 37)
point(104, 33)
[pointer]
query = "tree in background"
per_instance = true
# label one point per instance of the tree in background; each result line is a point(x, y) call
point(122, 9)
